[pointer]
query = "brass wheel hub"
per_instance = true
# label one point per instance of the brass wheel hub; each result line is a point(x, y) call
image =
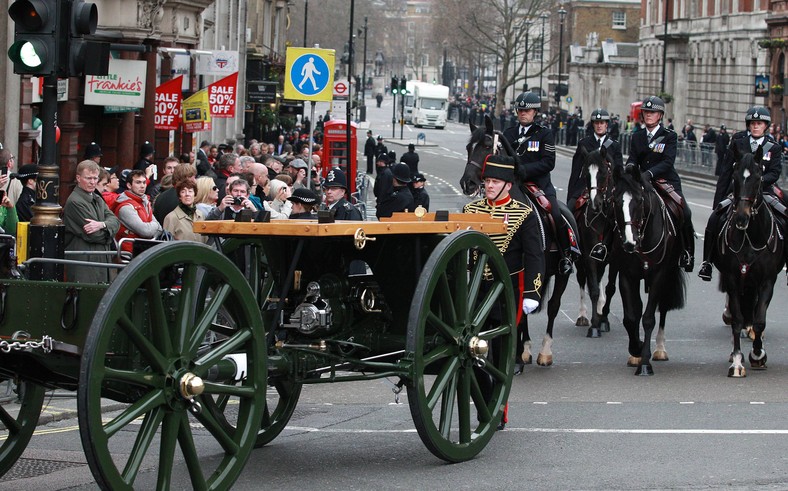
point(478, 347)
point(191, 385)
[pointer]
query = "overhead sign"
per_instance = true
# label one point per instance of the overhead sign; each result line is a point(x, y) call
point(123, 86)
point(217, 63)
point(222, 96)
point(309, 74)
point(167, 112)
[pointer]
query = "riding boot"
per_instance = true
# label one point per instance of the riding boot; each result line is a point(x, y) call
point(706, 270)
point(687, 259)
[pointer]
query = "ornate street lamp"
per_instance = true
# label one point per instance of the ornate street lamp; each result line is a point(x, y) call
point(561, 15)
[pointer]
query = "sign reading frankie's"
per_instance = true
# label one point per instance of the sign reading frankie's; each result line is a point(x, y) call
point(124, 85)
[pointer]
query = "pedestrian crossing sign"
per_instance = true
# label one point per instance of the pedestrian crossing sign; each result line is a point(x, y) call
point(309, 74)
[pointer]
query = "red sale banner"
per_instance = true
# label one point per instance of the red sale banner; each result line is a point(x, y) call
point(221, 96)
point(167, 114)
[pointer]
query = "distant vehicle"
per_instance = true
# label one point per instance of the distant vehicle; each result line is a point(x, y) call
point(430, 105)
point(408, 114)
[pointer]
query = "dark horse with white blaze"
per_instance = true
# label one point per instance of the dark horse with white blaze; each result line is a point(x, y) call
point(483, 142)
point(648, 251)
point(748, 252)
point(596, 225)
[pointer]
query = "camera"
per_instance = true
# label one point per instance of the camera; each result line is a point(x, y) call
point(238, 201)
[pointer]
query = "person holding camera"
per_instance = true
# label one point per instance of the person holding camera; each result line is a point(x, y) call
point(235, 201)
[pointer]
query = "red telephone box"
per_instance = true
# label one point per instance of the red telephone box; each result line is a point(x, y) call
point(335, 150)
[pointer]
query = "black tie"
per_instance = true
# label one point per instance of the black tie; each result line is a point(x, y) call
point(522, 132)
point(600, 140)
point(650, 136)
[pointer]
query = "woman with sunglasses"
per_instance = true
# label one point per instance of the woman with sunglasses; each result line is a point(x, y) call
point(207, 195)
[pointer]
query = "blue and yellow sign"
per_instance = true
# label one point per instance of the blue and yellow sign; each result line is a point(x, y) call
point(309, 74)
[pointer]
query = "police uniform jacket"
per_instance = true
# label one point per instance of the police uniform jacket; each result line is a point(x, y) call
point(589, 143)
point(369, 147)
point(421, 198)
point(535, 155)
point(343, 210)
point(401, 199)
point(412, 161)
point(384, 182)
point(772, 162)
point(522, 245)
point(657, 157)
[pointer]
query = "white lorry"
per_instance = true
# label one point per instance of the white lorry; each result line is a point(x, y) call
point(430, 105)
point(408, 112)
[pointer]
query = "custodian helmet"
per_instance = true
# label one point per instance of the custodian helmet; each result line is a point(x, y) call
point(401, 172)
point(600, 114)
point(653, 103)
point(758, 113)
point(528, 100)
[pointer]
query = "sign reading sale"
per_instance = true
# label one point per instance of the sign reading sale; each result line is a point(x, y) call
point(167, 114)
point(222, 96)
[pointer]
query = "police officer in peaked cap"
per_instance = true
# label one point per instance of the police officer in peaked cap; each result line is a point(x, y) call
point(596, 138)
point(757, 121)
point(653, 151)
point(334, 188)
point(535, 149)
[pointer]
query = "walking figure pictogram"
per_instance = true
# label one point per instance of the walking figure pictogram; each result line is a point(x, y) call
point(308, 72)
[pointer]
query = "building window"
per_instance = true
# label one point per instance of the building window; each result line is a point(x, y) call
point(411, 26)
point(619, 20)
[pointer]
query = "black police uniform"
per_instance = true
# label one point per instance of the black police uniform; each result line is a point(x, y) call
point(411, 158)
point(590, 143)
point(307, 215)
point(535, 160)
point(656, 160)
point(421, 198)
point(370, 154)
point(344, 210)
point(384, 183)
point(772, 162)
point(400, 199)
point(24, 204)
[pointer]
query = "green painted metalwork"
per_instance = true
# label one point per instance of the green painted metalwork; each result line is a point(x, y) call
point(20, 427)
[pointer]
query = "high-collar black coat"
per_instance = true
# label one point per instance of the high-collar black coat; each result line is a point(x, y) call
point(589, 143)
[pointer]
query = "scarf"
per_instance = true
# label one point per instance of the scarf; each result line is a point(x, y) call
point(189, 210)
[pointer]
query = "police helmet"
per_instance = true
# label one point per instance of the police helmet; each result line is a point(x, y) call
point(758, 113)
point(335, 179)
point(401, 172)
point(528, 100)
point(600, 114)
point(653, 103)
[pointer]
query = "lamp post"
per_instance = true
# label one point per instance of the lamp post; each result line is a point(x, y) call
point(445, 67)
point(544, 17)
point(306, 11)
point(561, 15)
point(364, 74)
point(527, 31)
point(349, 78)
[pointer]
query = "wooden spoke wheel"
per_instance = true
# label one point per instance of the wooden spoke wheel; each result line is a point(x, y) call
point(156, 343)
point(18, 429)
point(462, 358)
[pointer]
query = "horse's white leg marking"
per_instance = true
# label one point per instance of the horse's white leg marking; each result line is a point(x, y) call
point(629, 235)
point(593, 172)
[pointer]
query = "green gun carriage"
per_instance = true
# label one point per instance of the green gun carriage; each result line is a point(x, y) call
point(199, 343)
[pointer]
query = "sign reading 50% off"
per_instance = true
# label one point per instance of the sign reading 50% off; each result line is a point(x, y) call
point(167, 113)
point(221, 97)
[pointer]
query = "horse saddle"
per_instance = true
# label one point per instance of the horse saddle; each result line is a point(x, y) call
point(544, 208)
point(537, 196)
point(672, 199)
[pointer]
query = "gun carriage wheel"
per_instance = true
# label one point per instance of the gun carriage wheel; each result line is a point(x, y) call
point(462, 364)
point(19, 429)
point(178, 336)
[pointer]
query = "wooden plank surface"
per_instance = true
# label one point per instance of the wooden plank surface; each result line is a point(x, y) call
point(400, 223)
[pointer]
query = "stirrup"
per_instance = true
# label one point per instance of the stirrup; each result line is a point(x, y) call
point(705, 271)
point(598, 252)
point(565, 266)
point(687, 262)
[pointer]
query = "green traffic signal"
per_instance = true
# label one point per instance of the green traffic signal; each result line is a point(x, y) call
point(28, 53)
point(394, 85)
point(34, 49)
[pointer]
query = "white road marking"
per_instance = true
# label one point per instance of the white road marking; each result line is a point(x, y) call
point(622, 431)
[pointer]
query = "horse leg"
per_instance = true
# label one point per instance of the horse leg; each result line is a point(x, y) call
point(610, 292)
point(522, 332)
point(525, 354)
point(593, 292)
point(660, 354)
point(582, 315)
point(649, 320)
point(758, 354)
point(545, 357)
point(726, 313)
point(736, 369)
point(633, 308)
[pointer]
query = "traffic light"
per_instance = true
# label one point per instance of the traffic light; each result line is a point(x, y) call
point(394, 85)
point(34, 49)
point(403, 85)
point(80, 57)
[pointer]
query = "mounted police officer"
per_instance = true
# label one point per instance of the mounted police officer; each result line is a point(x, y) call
point(757, 120)
point(335, 187)
point(521, 245)
point(594, 140)
point(535, 149)
point(653, 150)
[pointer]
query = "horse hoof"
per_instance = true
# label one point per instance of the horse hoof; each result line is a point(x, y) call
point(756, 364)
point(544, 360)
point(582, 321)
point(737, 372)
point(604, 326)
point(593, 332)
point(518, 368)
point(526, 357)
point(726, 317)
point(660, 355)
point(644, 371)
point(633, 361)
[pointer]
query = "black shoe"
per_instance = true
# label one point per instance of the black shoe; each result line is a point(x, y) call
point(687, 262)
point(705, 271)
point(501, 426)
point(598, 252)
point(565, 266)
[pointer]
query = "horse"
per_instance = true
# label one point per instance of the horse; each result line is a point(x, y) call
point(648, 249)
point(595, 224)
point(483, 142)
point(748, 253)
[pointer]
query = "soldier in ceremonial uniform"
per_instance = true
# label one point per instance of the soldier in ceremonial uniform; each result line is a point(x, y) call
point(335, 187)
point(600, 119)
point(535, 150)
point(757, 121)
point(522, 246)
point(399, 198)
point(654, 152)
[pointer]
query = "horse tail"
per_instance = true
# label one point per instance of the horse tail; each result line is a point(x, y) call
point(673, 291)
